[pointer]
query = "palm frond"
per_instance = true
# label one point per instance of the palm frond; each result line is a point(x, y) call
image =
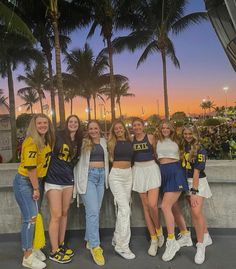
point(151, 48)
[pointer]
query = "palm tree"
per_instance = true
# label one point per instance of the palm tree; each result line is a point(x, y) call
point(70, 94)
point(110, 15)
point(158, 19)
point(14, 51)
point(3, 99)
point(86, 73)
point(13, 23)
point(30, 96)
point(121, 90)
point(36, 79)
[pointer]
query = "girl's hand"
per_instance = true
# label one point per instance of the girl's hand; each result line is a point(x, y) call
point(36, 194)
point(193, 200)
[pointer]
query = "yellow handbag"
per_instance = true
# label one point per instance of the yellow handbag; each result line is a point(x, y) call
point(39, 236)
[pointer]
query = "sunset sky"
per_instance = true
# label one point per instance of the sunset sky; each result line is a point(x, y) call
point(204, 71)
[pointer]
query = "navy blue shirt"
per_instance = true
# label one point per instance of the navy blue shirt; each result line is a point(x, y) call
point(143, 150)
point(198, 163)
point(60, 170)
point(123, 151)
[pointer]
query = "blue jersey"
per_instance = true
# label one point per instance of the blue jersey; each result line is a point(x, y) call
point(60, 171)
point(198, 163)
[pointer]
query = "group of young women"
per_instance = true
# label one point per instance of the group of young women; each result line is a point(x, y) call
point(148, 164)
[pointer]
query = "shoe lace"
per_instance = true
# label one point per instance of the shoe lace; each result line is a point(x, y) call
point(98, 252)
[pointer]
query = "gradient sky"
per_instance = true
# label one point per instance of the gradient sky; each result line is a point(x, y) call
point(204, 71)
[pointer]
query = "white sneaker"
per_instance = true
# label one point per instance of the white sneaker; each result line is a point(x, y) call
point(33, 262)
point(172, 247)
point(39, 255)
point(152, 251)
point(200, 255)
point(185, 240)
point(161, 240)
point(207, 240)
point(126, 254)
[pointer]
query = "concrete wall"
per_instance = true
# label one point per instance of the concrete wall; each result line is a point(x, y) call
point(220, 210)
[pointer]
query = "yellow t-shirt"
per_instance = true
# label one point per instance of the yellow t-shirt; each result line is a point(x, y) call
point(32, 157)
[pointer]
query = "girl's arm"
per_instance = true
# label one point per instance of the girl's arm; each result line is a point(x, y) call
point(32, 173)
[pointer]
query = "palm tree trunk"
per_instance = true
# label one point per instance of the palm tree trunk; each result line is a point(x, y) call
point(88, 107)
point(58, 69)
point(163, 55)
point(41, 103)
point(95, 107)
point(119, 108)
point(112, 79)
point(71, 106)
point(31, 109)
point(12, 111)
point(52, 92)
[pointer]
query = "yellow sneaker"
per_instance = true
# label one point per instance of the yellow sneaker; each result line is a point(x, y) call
point(97, 255)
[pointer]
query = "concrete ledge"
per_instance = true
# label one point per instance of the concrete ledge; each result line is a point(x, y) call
point(220, 210)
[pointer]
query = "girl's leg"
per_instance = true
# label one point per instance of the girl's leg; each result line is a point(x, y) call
point(199, 219)
point(66, 200)
point(55, 206)
point(169, 199)
point(23, 194)
point(147, 216)
point(152, 196)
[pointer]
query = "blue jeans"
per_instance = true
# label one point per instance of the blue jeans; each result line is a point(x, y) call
point(23, 192)
point(92, 200)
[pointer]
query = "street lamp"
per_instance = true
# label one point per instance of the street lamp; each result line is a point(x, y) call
point(225, 89)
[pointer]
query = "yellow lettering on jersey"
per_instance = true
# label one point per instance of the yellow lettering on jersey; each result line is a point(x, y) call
point(185, 162)
point(201, 158)
point(64, 153)
point(141, 146)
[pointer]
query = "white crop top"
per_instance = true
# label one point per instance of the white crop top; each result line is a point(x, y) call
point(167, 149)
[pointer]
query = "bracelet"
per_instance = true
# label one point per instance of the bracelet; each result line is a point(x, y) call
point(194, 191)
point(36, 189)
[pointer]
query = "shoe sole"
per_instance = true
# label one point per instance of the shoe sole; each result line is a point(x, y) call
point(62, 262)
point(167, 260)
point(186, 245)
point(124, 257)
point(28, 266)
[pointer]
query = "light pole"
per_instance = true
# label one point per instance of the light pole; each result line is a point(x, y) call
point(225, 89)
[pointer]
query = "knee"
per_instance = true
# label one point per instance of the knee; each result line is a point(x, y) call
point(152, 206)
point(64, 213)
point(56, 217)
point(196, 214)
point(165, 207)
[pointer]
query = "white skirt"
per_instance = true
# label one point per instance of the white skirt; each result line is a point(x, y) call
point(146, 176)
point(203, 187)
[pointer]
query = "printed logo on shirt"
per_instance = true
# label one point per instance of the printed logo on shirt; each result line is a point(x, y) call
point(141, 146)
point(185, 162)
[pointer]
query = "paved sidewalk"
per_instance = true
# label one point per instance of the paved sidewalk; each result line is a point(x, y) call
point(221, 255)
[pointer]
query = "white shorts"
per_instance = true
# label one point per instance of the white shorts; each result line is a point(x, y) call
point(146, 176)
point(203, 187)
point(49, 186)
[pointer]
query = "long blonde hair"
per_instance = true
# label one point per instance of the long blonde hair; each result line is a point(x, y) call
point(194, 145)
point(158, 133)
point(37, 138)
point(112, 139)
point(87, 141)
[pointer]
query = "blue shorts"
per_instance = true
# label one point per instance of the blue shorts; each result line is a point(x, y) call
point(173, 177)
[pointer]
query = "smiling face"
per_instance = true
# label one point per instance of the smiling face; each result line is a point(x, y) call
point(42, 125)
point(165, 130)
point(188, 135)
point(138, 127)
point(119, 131)
point(94, 130)
point(73, 124)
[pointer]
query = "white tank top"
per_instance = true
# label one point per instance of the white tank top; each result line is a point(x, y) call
point(167, 149)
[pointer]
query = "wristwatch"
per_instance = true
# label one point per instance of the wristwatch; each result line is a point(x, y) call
point(194, 191)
